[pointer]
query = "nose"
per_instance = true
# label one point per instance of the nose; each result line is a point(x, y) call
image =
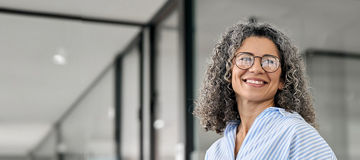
point(256, 67)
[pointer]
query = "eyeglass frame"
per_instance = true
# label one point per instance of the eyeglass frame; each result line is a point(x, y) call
point(249, 53)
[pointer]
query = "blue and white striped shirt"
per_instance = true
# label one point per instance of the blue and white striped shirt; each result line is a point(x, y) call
point(275, 134)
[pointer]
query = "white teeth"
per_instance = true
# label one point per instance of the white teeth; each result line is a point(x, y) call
point(255, 82)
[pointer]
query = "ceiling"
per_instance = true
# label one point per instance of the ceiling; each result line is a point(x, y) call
point(128, 10)
point(35, 91)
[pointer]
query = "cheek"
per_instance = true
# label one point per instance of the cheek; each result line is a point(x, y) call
point(276, 77)
point(236, 75)
point(233, 74)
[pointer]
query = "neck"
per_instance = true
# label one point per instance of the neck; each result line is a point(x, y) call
point(249, 111)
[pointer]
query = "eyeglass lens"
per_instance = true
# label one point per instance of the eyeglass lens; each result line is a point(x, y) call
point(268, 63)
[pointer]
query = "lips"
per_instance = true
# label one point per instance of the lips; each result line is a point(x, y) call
point(256, 82)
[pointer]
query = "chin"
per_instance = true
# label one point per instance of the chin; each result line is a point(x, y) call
point(255, 97)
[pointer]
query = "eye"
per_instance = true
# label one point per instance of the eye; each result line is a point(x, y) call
point(269, 61)
point(247, 59)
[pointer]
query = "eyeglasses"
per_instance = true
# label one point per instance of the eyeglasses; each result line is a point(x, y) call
point(245, 60)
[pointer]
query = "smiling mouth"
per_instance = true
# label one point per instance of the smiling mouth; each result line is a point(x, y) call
point(254, 82)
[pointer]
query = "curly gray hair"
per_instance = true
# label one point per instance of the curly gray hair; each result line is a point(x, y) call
point(216, 104)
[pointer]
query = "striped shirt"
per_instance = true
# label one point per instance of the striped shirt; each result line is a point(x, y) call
point(275, 134)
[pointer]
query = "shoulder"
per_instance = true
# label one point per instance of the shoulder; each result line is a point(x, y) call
point(306, 142)
point(215, 147)
point(280, 124)
point(220, 147)
point(290, 119)
point(295, 123)
point(230, 128)
point(217, 150)
point(289, 123)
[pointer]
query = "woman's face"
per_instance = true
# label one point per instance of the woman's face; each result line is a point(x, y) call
point(255, 84)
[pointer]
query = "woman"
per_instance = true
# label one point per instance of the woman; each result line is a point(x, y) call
point(255, 92)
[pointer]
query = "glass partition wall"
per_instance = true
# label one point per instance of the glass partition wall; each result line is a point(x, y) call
point(171, 66)
point(129, 107)
point(140, 106)
point(88, 131)
point(47, 149)
point(169, 88)
point(334, 78)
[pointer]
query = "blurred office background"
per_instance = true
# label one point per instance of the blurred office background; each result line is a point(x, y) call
point(106, 80)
